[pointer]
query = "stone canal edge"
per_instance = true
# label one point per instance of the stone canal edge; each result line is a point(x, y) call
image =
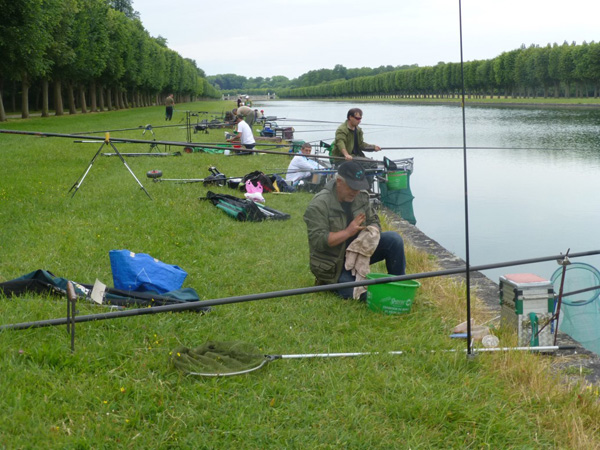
point(578, 365)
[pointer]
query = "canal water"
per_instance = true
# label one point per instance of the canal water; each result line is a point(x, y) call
point(536, 195)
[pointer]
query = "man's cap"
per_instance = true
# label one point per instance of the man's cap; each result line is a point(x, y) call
point(354, 175)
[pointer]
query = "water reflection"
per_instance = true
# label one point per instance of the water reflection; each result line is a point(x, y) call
point(534, 197)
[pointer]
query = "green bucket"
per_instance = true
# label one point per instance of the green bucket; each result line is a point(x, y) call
point(396, 297)
point(397, 180)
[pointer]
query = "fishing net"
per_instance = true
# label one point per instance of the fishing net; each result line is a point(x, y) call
point(218, 359)
point(580, 313)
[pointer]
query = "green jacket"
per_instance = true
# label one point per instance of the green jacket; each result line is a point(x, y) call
point(323, 215)
point(344, 138)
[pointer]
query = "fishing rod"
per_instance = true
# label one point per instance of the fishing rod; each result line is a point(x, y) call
point(257, 144)
point(465, 183)
point(468, 147)
point(337, 122)
point(188, 306)
point(156, 175)
point(177, 143)
point(141, 127)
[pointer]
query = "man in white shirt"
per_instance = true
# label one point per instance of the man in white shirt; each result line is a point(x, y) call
point(244, 134)
point(301, 167)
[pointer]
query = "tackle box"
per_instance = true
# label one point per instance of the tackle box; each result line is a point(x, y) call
point(526, 305)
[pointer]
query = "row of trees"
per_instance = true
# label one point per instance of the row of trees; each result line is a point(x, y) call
point(339, 72)
point(567, 70)
point(231, 83)
point(88, 49)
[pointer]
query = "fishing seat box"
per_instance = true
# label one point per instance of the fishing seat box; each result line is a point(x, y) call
point(520, 295)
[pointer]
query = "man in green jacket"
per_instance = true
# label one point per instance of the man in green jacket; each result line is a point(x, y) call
point(335, 217)
point(349, 141)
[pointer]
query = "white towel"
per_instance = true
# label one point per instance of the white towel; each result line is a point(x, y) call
point(358, 255)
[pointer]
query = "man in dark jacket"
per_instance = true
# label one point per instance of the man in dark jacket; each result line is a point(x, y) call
point(335, 217)
point(349, 141)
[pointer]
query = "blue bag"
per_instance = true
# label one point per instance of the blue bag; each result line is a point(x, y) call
point(141, 272)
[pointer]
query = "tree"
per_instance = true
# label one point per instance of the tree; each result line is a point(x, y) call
point(125, 7)
point(24, 40)
point(566, 67)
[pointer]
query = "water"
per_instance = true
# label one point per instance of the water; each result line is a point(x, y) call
point(523, 203)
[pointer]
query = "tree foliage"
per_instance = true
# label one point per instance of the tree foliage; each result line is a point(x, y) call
point(551, 71)
point(99, 48)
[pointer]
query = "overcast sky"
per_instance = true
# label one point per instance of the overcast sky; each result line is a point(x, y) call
point(290, 37)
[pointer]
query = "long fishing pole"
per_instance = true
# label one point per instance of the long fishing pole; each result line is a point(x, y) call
point(187, 306)
point(282, 145)
point(324, 171)
point(176, 143)
point(469, 147)
point(141, 127)
point(465, 177)
point(363, 124)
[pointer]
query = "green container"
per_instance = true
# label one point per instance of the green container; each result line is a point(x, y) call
point(296, 146)
point(397, 180)
point(396, 297)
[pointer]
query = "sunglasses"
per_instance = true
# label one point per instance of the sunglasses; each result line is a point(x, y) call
point(357, 118)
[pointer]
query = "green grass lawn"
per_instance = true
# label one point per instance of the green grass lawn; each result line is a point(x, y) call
point(118, 390)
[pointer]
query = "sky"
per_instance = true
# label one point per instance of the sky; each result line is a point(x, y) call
point(264, 38)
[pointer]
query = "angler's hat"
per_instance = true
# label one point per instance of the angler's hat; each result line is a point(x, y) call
point(354, 175)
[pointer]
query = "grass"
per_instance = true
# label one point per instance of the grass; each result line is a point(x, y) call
point(118, 390)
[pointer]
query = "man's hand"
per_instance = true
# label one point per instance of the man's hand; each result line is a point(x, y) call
point(348, 157)
point(356, 226)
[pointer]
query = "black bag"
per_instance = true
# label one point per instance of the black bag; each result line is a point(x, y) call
point(217, 178)
point(256, 177)
point(243, 209)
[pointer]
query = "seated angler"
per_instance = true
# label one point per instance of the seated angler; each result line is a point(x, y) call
point(301, 168)
point(344, 233)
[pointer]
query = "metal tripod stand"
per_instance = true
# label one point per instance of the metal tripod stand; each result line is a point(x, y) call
point(106, 141)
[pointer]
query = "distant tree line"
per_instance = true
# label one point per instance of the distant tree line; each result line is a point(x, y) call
point(566, 70)
point(231, 83)
point(93, 54)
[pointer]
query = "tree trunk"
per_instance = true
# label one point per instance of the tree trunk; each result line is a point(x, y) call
point(58, 102)
point(25, 97)
point(122, 99)
point(116, 95)
point(71, 98)
point(109, 98)
point(82, 99)
point(101, 97)
point(13, 97)
point(2, 111)
point(45, 111)
point(94, 107)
